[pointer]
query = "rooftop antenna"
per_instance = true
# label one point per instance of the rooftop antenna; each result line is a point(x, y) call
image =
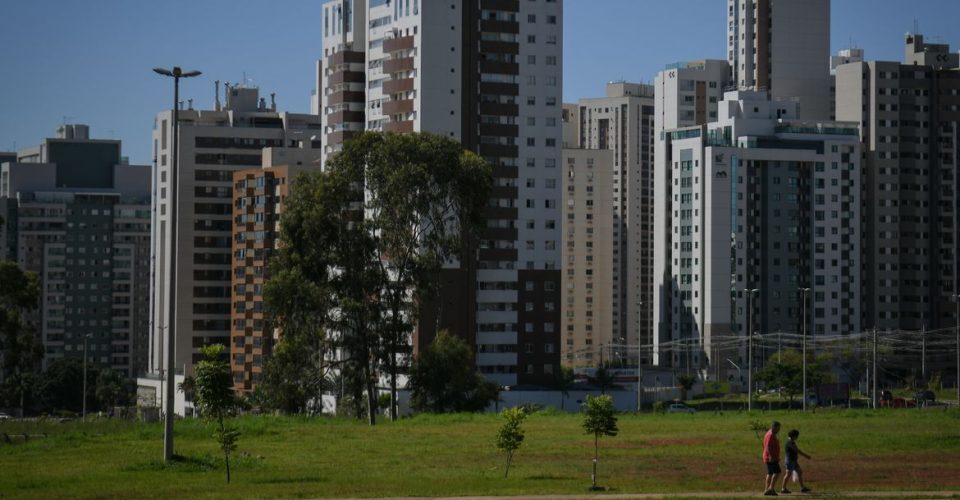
point(216, 91)
point(273, 101)
point(190, 104)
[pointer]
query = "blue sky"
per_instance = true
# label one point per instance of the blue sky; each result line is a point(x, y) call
point(89, 61)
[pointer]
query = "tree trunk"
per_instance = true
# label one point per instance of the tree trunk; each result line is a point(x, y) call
point(509, 459)
point(596, 457)
point(393, 386)
point(226, 455)
point(371, 394)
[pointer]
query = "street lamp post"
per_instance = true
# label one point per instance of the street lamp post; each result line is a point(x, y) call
point(83, 411)
point(957, 297)
point(750, 293)
point(803, 320)
point(176, 73)
point(639, 357)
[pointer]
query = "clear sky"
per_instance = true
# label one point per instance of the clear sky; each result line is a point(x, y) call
point(89, 61)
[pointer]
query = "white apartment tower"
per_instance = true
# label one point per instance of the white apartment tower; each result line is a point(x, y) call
point(213, 145)
point(488, 73)
point(783, 47)
point(759, 201)
point(686, 94)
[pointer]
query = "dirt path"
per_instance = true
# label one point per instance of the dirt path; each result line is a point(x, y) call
point(719, 495)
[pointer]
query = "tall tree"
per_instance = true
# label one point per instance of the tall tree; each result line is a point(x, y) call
point(444, 378)
point(325, 278)
point(215, 397)
point(424, 199)
point(367, 238)
point(20, 349)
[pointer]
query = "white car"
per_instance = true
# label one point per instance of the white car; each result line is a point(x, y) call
point(680, 408)
point(4, 416)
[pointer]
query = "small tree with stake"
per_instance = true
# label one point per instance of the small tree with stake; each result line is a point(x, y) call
point(599, 419)
point(215, 398)
point(510, 436)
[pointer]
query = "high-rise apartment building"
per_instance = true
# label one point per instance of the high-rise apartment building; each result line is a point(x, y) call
point(686, 94)
point(488, 73)
point(759, 200)
point(909, 114)
point(590, 265)
point(623, 122)
point(213, 145)
point(259, 195)
point(79, 217)
point(782, 46)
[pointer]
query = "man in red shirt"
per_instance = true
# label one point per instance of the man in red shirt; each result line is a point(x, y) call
point(771, 457)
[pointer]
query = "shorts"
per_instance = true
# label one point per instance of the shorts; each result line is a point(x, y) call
point(793, 466)
point(773, 468)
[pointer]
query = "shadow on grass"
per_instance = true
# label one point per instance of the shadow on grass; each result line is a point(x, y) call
point(293, 480)
point(547, 477)
point(204, 463)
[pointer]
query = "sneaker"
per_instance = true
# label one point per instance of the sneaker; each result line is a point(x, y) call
point(770, 493)
point(784, 490)
point(805, 490)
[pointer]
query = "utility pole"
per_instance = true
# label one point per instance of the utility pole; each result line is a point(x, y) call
point(750, 293)
point(874, 392)
point(83, 414)
point(803, 319)
point(923, 354)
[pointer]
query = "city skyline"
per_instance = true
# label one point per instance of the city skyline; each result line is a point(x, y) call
point(110, 86)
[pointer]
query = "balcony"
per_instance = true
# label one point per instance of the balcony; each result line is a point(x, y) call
point(339, 117)
point(502, 68)
point(345, 96)
point(339, 77)
point(344, 57)
point(340, 136)
point(499, 130)
point(398, 65)
point(498, 88)
point(395, 44)
point(506, 5)
point(497, 109)
point(491, 26)
point(398, 107)
point(494, 47)
point(401, 127)
point(397, 86)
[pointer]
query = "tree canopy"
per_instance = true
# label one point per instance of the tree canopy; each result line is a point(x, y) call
point(444, 378)
point(362, 244)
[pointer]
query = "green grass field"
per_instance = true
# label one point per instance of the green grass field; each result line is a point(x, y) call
point(282, 457)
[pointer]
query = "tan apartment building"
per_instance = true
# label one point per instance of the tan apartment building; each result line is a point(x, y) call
point(590, 268)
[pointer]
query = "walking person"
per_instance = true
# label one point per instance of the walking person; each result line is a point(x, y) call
point(793, 453)
point(771, 458)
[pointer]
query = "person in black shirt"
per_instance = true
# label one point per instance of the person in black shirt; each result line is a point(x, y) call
point(794, 453)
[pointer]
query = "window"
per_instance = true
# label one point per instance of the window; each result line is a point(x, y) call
point(551, 19)
point(551, 60)
point(531, 18)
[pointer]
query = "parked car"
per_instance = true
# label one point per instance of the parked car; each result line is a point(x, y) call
point(926, 396)
point(680, 408)
point(4, 416)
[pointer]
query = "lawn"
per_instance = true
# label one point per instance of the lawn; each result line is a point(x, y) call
point(281, 457)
